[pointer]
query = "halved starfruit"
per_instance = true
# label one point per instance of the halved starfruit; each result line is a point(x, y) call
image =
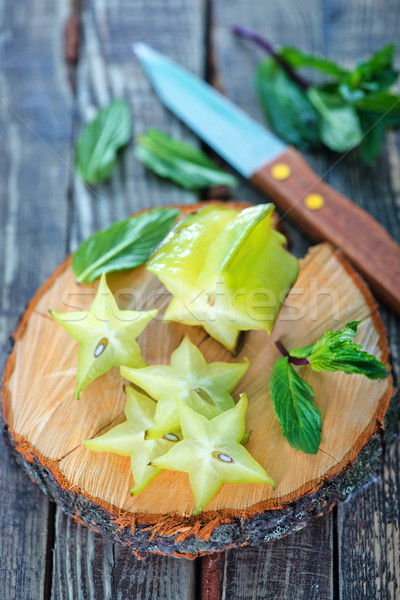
point(128, 439)
point(211, 453)
point(106, 334)
point(227, 271)
point(205, 387)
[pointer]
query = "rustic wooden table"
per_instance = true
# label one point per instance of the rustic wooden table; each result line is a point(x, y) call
point(46, 92)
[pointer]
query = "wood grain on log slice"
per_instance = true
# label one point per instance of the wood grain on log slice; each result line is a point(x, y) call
point(46, 425)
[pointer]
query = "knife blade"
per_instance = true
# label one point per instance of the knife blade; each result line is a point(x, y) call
point(280, 172)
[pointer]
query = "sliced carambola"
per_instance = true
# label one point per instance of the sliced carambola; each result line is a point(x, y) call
point(211, 453)
point(128, 439)
point(106, 334)
point(205, 387)
point(227, 271)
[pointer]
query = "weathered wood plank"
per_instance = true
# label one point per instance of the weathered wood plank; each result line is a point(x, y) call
point(368, 529)
point(296, 567)
point(368, 525)
point(35, 126)
point(288, 568)
point(90, 567)
point(107, 69)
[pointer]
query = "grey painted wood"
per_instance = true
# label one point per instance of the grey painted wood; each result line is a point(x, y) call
point(369, 525)
point(35, 129)
point(108, 69)
point(296, 567)
point(301, 565)
point(89, 567)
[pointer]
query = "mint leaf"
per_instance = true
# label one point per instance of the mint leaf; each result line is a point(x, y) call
point(124, 245)
point(180, 162)
point(298, 59)
point(302, 352)
point(338, 123)
point(376, 73)
point(101, 138)
point(294, 406)
point(335, 351)
point(383, 104)
point(286, 106)
point(374, 134)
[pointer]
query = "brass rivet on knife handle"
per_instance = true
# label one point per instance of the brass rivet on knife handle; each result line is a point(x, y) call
point(362, 239)
point(314, 201)
point(280, 171)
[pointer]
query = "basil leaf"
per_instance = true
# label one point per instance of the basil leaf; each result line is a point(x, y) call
point(294, 406)
point(124, 245)
point(101, 138)
point(338, 123)
point(298, 59)
point(286, 106)
point(180, 162)
point(336, 352)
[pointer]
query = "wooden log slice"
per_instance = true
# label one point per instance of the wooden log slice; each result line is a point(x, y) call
point(45, 425)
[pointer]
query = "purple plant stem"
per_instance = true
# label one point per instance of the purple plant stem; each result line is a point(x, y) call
point(292, 359)
point(252, 35)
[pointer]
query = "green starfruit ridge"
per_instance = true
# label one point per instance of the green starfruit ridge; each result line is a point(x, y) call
point(227, 271)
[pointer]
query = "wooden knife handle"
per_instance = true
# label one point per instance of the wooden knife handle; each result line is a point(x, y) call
point(325, 214)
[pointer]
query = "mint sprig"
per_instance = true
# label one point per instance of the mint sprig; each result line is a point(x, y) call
point(293, 398)
point(348, 108)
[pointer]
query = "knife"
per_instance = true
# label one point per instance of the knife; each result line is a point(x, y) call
point(280, 172)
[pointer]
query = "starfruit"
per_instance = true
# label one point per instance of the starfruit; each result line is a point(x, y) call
point(211, 453)
point(205, 387)
point(128, 439)
point(106, 334)
point(227, 271)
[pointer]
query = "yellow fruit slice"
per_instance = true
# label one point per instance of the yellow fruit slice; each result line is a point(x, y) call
point(106, 334)
point(211, 453)
point(205, 387)
point(228, 271)
point(128, 439)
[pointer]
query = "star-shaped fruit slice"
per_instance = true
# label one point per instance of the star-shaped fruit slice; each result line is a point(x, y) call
point(227, 271)
point(205, 387)
point(128, 439)
point(106, 334)
point(211, 453)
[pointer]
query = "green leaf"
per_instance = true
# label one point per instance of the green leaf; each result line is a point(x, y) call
point(376, 73)
point(382, 104)
point(302, 352)
point(298, 59)
point(336, 352)
point(374, 135)
point(294, 406)
point(180, 162)
point(339, 125)
point(101, 138)
point(124, 245)
point(286, 106)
